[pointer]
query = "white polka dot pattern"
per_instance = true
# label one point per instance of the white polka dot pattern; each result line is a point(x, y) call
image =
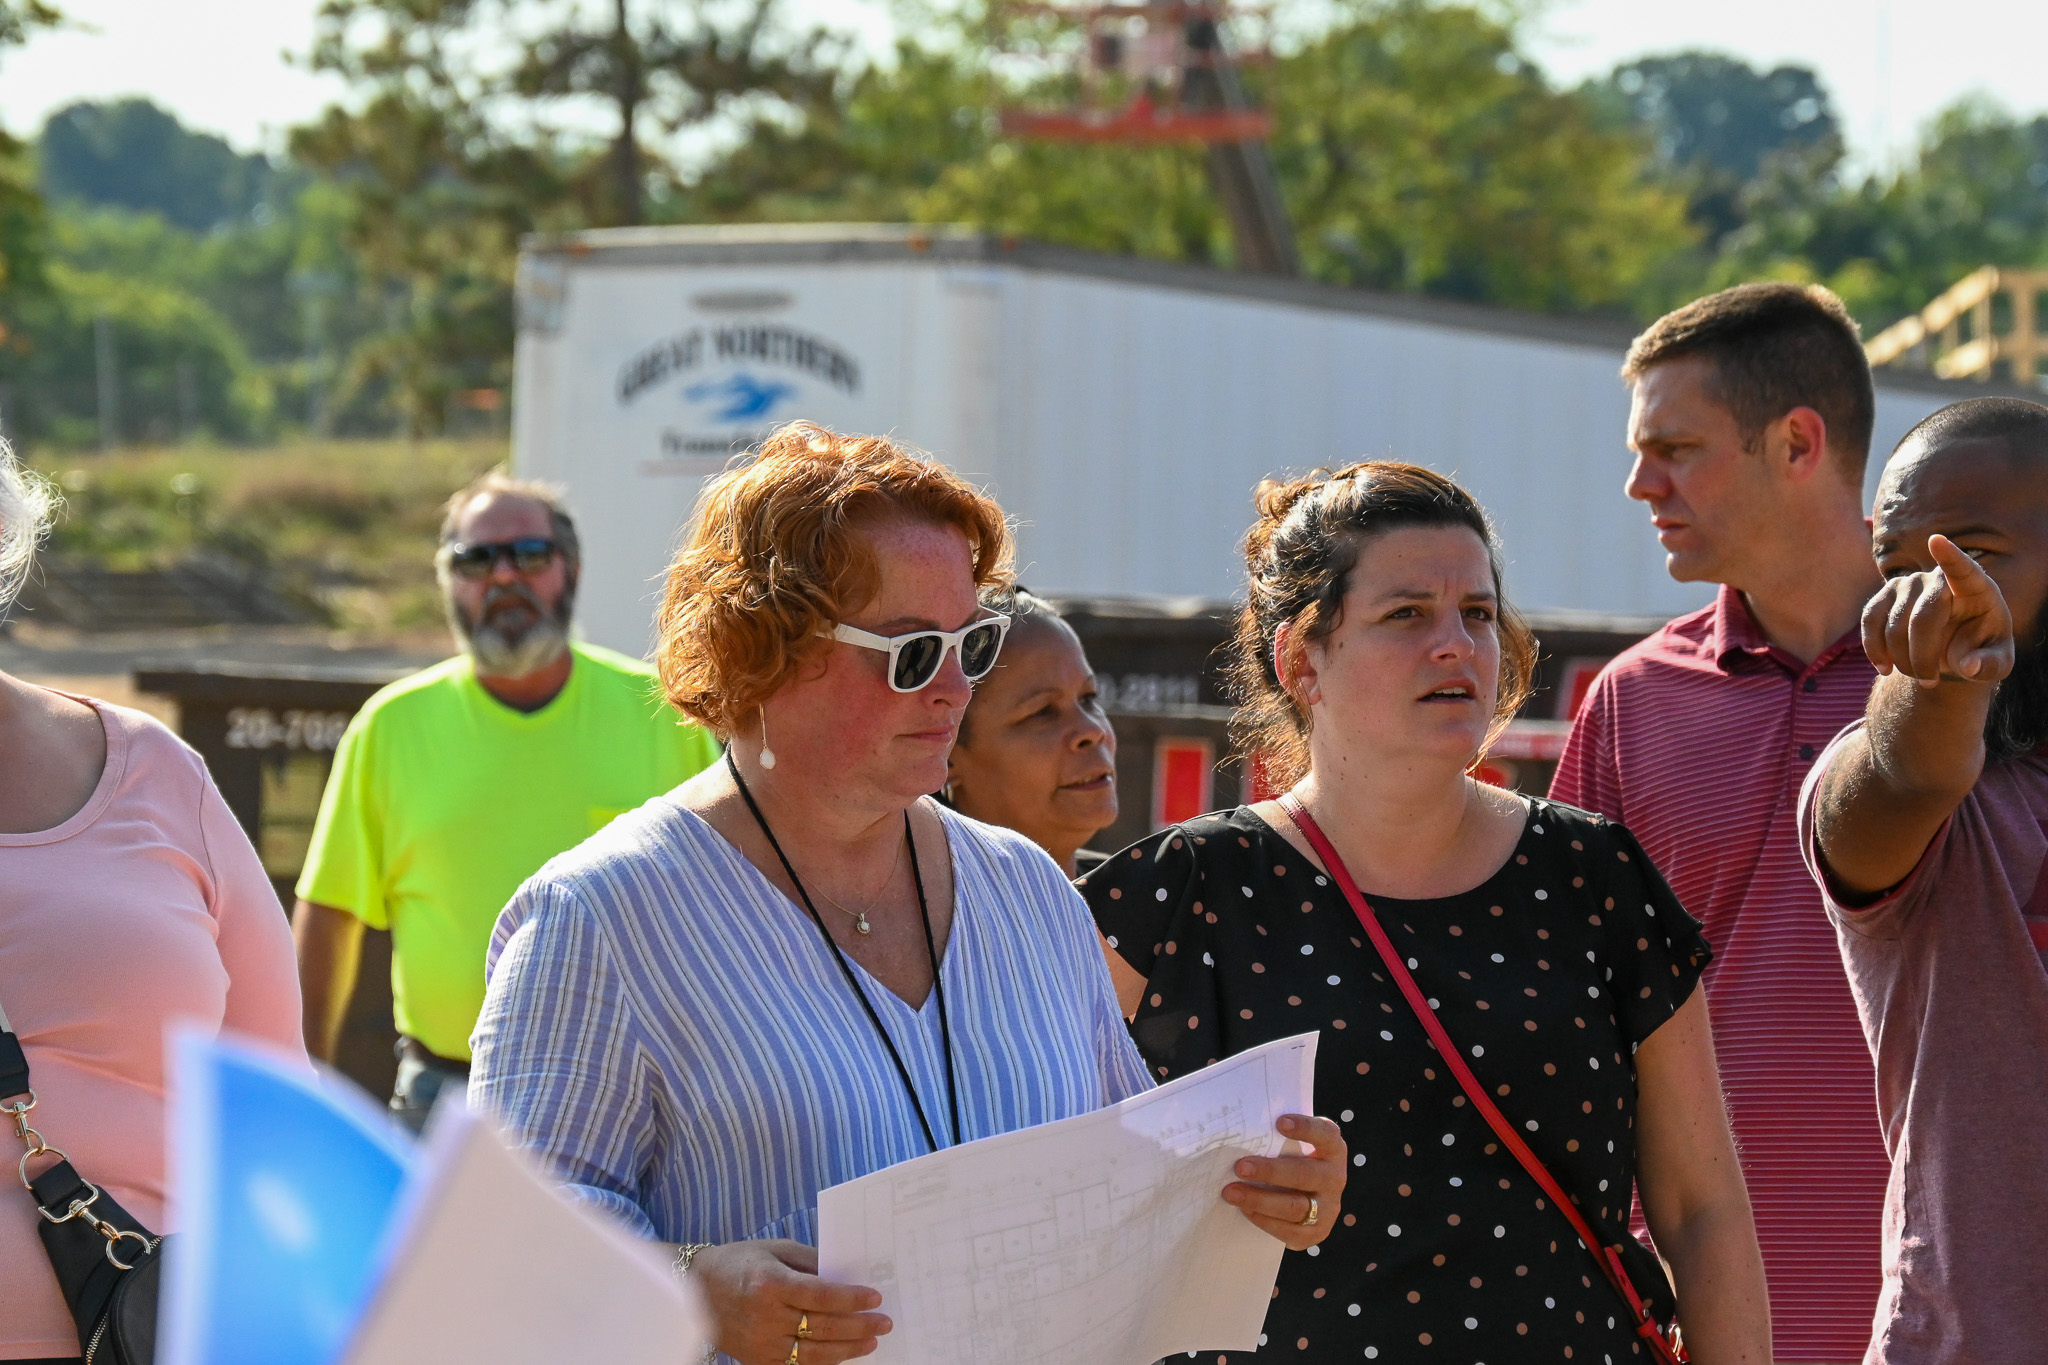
point(1505, 968)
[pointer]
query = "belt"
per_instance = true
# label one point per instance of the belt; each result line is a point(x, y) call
point(414, 1050)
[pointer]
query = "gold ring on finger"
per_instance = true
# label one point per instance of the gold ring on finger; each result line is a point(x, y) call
point(803, 1327)
point(793, 1348)
point(1315, 1213)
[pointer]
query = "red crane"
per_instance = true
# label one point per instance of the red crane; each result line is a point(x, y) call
point(1161, 73)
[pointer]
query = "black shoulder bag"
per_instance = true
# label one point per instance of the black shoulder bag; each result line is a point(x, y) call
point(107, 1263)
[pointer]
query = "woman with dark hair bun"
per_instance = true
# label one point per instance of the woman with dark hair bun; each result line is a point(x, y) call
point(1550, 975)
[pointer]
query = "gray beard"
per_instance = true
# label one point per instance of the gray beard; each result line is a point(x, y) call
point(500, 653)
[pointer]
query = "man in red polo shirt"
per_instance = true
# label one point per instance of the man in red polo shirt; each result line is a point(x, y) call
point(1750, 426)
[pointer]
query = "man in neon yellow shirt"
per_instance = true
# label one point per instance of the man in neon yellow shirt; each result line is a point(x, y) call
point(453, 786)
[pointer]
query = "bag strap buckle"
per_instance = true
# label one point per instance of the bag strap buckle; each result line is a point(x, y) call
point(80, 1208)
point(18, 1111)
point(115, 1235)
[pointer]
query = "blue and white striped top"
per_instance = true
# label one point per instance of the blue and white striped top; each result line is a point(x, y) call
point(666, 1031)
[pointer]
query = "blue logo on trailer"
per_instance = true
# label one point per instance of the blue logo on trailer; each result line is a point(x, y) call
point(741, 397)
point(752, 344)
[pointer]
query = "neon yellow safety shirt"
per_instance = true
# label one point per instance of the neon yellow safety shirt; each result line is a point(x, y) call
point(443, 800)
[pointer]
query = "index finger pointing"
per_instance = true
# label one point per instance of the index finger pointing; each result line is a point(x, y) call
point(1966, 577)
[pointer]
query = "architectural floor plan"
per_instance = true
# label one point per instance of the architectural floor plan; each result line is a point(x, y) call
point(1097, 1240)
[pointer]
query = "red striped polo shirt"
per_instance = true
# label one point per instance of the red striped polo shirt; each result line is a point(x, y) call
point(1697, 739)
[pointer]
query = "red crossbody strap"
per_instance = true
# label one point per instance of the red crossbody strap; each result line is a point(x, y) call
point(1609, 1258)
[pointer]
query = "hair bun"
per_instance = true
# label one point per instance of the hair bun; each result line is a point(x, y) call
point(1276, 497)
point(1298, 570)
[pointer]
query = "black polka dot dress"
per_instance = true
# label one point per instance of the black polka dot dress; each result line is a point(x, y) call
point(1547, 976)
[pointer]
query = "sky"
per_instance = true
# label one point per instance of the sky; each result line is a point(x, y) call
point(1891, 65)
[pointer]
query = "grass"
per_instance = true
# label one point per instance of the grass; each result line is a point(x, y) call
point(347, 526)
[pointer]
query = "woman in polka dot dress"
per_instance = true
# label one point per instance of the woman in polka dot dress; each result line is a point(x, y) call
point(1375, 661)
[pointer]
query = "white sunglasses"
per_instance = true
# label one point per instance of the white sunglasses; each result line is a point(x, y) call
point(915, 659)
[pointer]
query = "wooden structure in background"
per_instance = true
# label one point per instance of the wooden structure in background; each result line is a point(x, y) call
point(1960, 336)
point(1158, 71)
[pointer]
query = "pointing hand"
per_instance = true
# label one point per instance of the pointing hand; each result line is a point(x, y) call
point(1949, 623)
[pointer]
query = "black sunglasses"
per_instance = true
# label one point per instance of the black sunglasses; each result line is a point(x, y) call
point(529, 554)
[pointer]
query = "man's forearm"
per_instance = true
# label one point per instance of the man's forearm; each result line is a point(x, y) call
point(1928, 741)
point(1889, 788)
point(329, 943)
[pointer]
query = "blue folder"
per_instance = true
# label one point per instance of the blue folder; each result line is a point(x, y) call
point(285, 1187)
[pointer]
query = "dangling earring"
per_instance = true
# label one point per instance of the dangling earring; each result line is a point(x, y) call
point(767, 754)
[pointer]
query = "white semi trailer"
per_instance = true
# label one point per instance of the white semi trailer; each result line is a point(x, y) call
point(1121, 410)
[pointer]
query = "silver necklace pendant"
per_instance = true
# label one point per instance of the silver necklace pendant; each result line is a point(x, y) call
point(861, 925)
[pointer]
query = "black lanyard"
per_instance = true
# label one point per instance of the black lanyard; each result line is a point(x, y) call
point(846, 967)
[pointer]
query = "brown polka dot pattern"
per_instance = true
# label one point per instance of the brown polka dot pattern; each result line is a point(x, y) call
point(1446, 1251)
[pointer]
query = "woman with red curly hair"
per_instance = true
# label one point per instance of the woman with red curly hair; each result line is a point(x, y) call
point(797, 968)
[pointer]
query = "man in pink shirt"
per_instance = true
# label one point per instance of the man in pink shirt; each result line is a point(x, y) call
point(1750, 425)
point(1928, 826)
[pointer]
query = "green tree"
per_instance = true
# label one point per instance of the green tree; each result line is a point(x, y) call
point(1416, 149)
point(180, 368)
point(650, 70)
point(447, 158)
point(223, 291)
point(436, 197)
point(1419, 148)
point(281, 281)
point(131, 154)
point(891, 131)
point(1975, 193)
point(916, 139)
point(1718, 125)
point(21, 227)
point(436, 207)
point(19, 17)
point(21, 207)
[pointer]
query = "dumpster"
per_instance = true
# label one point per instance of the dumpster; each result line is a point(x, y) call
point(267, 734)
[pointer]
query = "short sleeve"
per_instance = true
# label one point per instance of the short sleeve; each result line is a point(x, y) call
point(1147, 905)
point(1116, 1056)
point(1655, 950)
point(1885, 915)
point(1586, 772)
point(1123, 1070)
point(345, 862)
point(251, 933)
point(555, 1052)
point(1137, 896)
point(1051, 910)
